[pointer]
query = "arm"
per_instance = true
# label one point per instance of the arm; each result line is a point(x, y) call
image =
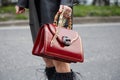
point(67, 2)
point(23, 3)
point(67, 6)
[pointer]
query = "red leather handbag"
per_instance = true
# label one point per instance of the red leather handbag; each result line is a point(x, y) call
point(59, 43)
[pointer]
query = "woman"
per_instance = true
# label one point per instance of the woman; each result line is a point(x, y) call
point(42, 12)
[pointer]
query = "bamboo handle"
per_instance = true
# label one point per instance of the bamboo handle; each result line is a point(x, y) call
point(59, 20)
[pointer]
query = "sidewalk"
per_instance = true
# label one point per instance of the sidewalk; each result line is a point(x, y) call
point(84, 20)
point(76, 20)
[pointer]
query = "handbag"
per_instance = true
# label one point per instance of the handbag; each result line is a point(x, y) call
point(56, 42)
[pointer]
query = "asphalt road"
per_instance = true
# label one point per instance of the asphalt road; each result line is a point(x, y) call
point(101, 44)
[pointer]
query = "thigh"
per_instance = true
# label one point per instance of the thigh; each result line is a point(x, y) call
point(48, 62)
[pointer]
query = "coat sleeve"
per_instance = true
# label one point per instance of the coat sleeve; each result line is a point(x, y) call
point(67, 2)
point(23, 3)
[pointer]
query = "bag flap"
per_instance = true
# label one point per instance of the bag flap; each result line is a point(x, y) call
point(72, 35)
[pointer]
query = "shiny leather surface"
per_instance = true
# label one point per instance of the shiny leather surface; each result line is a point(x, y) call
point(42, 46)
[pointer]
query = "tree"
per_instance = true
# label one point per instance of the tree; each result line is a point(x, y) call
point(94, 2)
point(98, 2)
point(116, 2)
point(6, 2)
point(0, 2)
point(107, 2)
point(101, 2)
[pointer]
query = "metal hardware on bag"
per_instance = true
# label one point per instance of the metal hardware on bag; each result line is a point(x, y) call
point(66, 41)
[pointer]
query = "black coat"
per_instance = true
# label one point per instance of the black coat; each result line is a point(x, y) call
point(41, 12)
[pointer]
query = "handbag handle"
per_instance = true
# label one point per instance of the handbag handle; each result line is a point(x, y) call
point(60, 20)
point(61, 23)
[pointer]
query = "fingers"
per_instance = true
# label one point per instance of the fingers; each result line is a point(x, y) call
point(67, 11)
point(61, 8)
point(19, 10)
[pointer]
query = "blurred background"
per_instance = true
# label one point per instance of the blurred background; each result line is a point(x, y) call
point(86, 8)
point(97, 22)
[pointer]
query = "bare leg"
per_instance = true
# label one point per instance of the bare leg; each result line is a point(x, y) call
point(63, 71)
point(61, 67)
point(50, 68)
point(48, 62)
point(57, 70)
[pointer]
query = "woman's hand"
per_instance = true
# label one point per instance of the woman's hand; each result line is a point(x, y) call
point(19, 10)
point(67, 10)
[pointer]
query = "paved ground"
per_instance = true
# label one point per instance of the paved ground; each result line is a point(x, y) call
point(101, 47)
point(76, 20)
